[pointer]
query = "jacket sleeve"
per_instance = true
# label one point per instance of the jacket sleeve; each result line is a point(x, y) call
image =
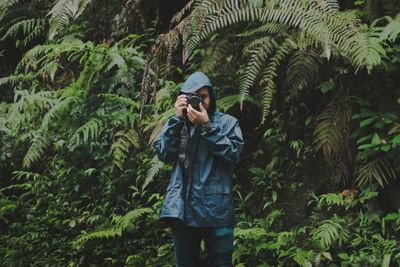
point(167, 142)
point(227, 144)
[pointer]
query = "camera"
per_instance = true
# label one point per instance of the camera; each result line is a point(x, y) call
point(194, 100)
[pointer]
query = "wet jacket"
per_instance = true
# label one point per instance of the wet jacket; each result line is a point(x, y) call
point(202, 197)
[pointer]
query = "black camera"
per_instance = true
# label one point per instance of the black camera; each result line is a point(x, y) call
point(194, 100)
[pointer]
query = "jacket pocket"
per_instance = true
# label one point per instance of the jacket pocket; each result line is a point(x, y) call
point(216, 189)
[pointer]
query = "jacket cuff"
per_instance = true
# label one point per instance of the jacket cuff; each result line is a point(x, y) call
point(209, 129)
point(175, 124)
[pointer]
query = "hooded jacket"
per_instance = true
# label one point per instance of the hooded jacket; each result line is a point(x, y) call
point(203, 196)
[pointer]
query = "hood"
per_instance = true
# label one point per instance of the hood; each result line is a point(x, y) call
point(197, 80)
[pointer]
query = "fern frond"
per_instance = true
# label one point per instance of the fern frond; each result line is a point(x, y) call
point(379, 170)
point(60, 108)
point(156, 166)
point(330, 199)
point(86, 133)
point(131, 216)
point(178, 16)
point(228, 102)
point(369, 50)
point(320, 20)
point(99, 234)
point(269, 28)
point(327, 134)
point(121, 147)
point(27, 102)
point(267, 83)
point(7, 3)
point(121, 223)
point(36, 150)
point(124, 117)
point(49, 70)
point(392, 30)
point(259, 50)
point(5, 6)
point(63, 12)
point(302, 71)
point(30, 28)
point(25, 176)
point(331, 231)
point(120, 99)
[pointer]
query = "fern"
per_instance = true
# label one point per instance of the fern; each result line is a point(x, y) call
point(251, 233)
point(392, 30)
point(379, 170)
point(369, 50)
point(31, 28)
point(122, 145)
point(302, 71)
point(228, 102)
point(63, 12)
point(269, 28)
point(331, 199)
point(26, 101)
point(120, 99)
point(124, 117)
point(120, 224)
point(321, 21)
point(88, 132)
point(178, 16)
point(331, 231)
point(267, 83)
point(156, 166)
point(60, 108)
point(327, 134)
point(37, 149)
point(6, 5)
point(259, 50)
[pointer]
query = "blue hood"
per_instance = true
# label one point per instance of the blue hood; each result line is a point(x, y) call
point(196, 81)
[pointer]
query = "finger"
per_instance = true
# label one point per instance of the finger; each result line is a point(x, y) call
point(190, 117)
point(195, 112)
point(202, 109)
point(181, 99)
point(180, 103)
point(182, 96)
point(191, 112)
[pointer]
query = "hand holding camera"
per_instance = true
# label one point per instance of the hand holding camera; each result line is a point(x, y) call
point(180, 105)
point(192, 104)
point(197, 117)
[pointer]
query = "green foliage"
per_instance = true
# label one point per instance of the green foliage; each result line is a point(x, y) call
point(121, 223)
point(378, 170)
point(120, 149)
point(331, 231)
point(80, 184)
point(63, 12)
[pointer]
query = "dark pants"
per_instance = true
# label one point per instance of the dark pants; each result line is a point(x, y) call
point(218, 241)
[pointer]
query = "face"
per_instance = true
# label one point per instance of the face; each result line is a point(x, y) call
point(203, 91)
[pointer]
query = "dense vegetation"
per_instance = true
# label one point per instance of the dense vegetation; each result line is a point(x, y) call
point(86, 85)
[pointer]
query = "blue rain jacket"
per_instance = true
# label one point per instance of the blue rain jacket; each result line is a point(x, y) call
point(202, 197)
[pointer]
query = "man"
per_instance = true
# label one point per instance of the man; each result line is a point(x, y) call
point(199, 201)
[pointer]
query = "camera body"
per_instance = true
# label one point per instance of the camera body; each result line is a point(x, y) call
point(194, 100)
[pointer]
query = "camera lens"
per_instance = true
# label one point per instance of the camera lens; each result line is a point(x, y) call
point(194, 101)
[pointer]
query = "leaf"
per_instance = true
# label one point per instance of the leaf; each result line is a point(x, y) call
point(327, 255)
point(396, 139)
point(367, 121)
point(326, 86)
point(156, 166)
point(376, 140)
point(386, 260)
point(274, 196)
